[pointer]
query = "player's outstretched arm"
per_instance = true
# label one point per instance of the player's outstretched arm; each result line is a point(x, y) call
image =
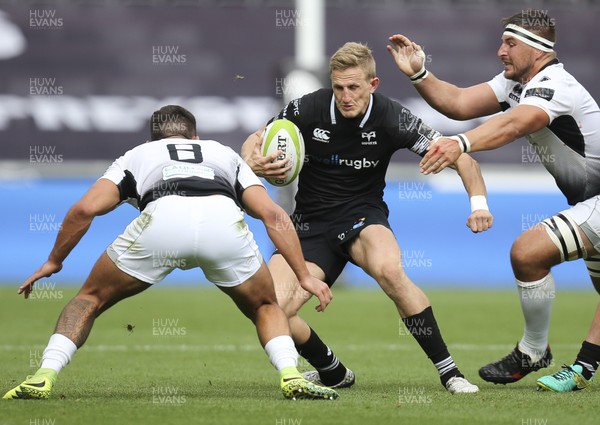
point(468, 169)
point(283, 234)
point(263, 166)
point(494, 133)
point(454, 102)
point(101, 198)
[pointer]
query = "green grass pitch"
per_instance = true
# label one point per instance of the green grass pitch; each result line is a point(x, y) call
point(187, 356)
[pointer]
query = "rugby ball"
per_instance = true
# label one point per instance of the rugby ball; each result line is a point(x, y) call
point(283, 135)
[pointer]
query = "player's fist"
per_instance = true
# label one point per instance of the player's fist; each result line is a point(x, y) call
point(480, 221)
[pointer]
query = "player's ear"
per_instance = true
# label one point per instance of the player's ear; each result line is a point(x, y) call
point(374, 83)
point(539, 54)
point(196, 138)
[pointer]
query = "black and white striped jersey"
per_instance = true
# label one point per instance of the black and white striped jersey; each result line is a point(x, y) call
point(180, 167)
point(569, 147)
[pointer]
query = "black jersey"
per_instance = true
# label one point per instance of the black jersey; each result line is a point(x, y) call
point(346, 159)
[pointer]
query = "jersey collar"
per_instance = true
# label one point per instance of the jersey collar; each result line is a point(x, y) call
point(365, 118)
point(552, 62)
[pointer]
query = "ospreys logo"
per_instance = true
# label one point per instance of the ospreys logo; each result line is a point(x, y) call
point(368, 136)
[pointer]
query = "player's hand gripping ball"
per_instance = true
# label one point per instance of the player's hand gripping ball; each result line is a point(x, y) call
point(283, 135)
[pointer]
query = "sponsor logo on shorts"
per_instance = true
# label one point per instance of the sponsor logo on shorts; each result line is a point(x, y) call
point(359, 223)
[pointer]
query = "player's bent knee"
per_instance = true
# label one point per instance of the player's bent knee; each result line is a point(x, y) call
point(521, 254)
point(265, 308)
point(390, 272)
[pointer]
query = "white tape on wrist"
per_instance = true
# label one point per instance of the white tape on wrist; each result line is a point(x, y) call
point(422, 73)
point(463, 143)
point(478, 202)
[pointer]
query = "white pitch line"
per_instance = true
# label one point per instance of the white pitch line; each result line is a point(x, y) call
point(257, 347)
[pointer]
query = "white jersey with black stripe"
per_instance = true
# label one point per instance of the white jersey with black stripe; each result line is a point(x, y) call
point(569, 147)
point(180, 167)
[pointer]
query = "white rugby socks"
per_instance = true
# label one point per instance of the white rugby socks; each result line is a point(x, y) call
point(281, 352)
point(536, 302)
point(58, 352)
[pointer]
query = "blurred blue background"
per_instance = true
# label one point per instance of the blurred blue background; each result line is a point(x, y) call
point(428, 220)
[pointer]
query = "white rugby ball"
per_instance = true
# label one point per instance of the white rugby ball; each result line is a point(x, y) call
point(283, 135)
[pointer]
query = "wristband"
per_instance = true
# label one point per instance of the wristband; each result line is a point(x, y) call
point(463, 143)
point(422, 73)
point(478, 202)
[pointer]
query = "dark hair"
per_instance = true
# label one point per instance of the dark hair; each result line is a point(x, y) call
point(534, 20)
point(172, 120)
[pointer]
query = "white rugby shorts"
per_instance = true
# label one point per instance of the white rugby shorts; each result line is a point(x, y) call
point(187, 232)
point(587, 216)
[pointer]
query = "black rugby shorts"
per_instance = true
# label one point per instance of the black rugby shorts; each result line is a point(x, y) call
point(325, 240)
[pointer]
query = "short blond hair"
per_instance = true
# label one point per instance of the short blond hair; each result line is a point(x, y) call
point(353, 54)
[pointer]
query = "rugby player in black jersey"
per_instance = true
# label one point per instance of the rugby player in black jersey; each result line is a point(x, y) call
point(350, 133)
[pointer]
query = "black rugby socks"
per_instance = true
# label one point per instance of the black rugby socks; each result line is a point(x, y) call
point(588, 358)
point(424, 328)
point(314, 350)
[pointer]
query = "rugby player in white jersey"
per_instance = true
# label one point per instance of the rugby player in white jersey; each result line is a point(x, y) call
point(560, 119)
point(191, 194)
